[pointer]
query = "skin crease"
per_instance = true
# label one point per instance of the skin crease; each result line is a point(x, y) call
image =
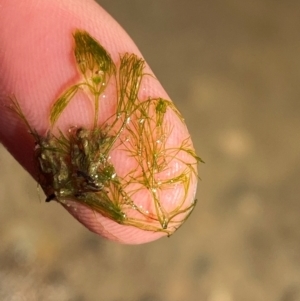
point(37, 64)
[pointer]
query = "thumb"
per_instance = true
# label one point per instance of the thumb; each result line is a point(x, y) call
point(85, 116)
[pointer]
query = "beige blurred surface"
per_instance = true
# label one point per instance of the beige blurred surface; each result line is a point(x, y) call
point(233, 69)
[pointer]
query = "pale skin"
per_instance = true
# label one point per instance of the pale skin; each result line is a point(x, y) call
point(37, 64)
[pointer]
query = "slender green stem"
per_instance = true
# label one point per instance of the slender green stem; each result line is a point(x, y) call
point(96, 110)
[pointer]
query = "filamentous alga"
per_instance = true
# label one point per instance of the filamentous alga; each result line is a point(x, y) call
point(77, 164)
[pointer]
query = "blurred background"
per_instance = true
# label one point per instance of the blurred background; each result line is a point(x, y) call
point(233, 69)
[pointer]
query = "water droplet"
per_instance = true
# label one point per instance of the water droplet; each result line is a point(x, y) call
point(103, 96)
point(141, 120)
point(127, 120)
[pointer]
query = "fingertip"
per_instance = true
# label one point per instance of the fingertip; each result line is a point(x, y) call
point(45, 52)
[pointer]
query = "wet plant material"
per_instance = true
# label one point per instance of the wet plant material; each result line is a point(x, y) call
point(77, 164)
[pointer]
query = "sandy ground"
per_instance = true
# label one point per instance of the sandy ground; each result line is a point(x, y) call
point(233, 69)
